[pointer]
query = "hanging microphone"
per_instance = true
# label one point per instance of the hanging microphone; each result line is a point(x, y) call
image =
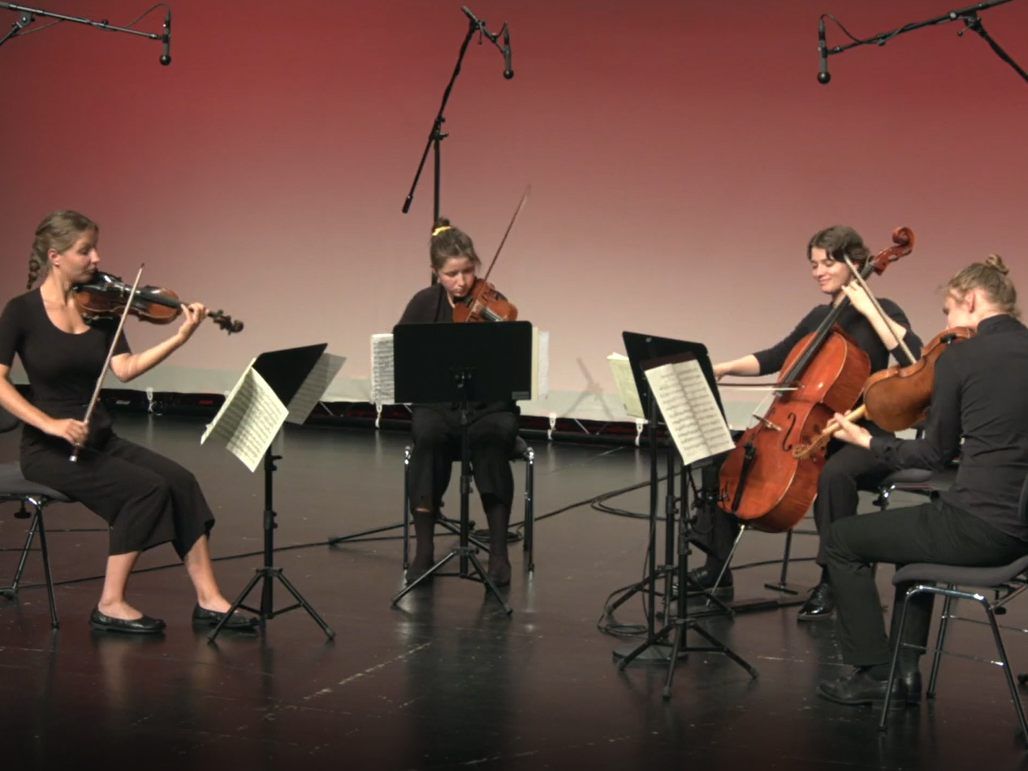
point(508, 73)
point(824, 75)
point(166, 39)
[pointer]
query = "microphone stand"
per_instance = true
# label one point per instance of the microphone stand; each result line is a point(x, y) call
point(967, 15)
point(436, 134)
point(28, 15)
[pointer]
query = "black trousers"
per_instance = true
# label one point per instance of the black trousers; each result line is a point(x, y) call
point(848, 470)
point(436, 434)
point(932, 532)
point(145, 498)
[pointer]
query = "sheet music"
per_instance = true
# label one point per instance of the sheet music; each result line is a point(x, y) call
point(621, 368)
point(689, 410)
point(313, 387)
point(383, 390)
point(249, 419)
point(540, 363)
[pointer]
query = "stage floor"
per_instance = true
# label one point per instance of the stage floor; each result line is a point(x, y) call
point(446, 679)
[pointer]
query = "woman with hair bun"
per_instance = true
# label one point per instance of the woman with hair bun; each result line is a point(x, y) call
point(436, 430)
point(979, 411)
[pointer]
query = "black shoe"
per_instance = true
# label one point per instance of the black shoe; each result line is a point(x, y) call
point(499, 570)
point(860, 688)
point(820, 606)
point(704, 577)
point(911, 681)
point(202, 616)
point(142, 625)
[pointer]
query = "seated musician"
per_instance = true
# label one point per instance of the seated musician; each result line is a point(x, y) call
point(981, 395)
point(848, 469)
point(146, 498)
point(435, 428)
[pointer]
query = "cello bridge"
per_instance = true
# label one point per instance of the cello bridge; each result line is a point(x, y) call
point(767, 423)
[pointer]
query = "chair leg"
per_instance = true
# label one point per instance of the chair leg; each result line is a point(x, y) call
point(46, 568)
point(940, 642)
point(529, 541)
point(894, 664)
point(1005, 663)
point(405, 516)
point(12, 590)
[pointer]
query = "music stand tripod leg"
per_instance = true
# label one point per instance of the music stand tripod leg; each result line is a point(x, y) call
point(268, 571)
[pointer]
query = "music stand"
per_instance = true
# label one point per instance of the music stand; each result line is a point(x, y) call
point(460, 364)
point(285, 372)
point(645, 351)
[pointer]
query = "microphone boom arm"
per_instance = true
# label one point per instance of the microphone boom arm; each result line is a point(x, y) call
point(29, 13)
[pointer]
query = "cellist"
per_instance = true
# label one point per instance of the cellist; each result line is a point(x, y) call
point(435, 428)
point(848, 469)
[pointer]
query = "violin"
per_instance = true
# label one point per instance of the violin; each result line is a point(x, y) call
point(106, 296)
point(484, 303)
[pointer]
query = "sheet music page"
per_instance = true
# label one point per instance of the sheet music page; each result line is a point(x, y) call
point(540, 363)
point(248, 420)
point(689, 409)
point(313, 387)
point(382, 388)
point(625, 382)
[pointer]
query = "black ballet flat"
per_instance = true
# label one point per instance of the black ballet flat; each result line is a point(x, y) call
point(142, 625)
point(202, 616)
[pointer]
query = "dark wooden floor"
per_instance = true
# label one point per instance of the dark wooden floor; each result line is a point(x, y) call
point(445, 680)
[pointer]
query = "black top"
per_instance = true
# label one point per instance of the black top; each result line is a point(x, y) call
point(62, 367)
point(856, 325)
point(980, 394)
point(430, 306)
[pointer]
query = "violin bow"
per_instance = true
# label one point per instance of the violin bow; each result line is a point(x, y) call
point(517, 211)
point(107, 362)
point(881, 311)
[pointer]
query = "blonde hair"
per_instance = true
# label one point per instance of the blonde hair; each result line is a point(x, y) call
point(59, 231)
point(992, 276)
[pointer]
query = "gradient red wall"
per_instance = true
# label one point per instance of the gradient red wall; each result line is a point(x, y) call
point(679, 154)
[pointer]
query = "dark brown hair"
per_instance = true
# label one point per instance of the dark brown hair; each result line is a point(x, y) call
point(449, 241)
point(59, 231)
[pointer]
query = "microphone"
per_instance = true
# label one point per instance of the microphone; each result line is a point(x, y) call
point(166, 39)
point(508, 73)
point(822, 50)
point(470, 15)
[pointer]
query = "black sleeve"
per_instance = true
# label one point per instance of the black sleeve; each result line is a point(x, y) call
point(941, 440)
point(11, 331)
point(912, 341)
point(771, 359)
point(413, 311)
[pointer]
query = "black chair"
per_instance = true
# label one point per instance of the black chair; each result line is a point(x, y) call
point(14, 487)
point(929, 578)
point(522, 451)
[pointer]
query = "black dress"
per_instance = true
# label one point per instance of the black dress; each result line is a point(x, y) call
point(848, 468)
point(145, 498)
point(435, 429)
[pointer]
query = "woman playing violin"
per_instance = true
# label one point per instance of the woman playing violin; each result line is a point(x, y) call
point(146, 498)
point(848, 469)
point(436, 428)
point(979, 410)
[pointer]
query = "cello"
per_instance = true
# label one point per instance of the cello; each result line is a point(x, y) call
point(762, 481)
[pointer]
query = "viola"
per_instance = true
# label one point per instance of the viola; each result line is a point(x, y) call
point(897, 398)
point(484, 303)
point(762, 481)
point(106, 297)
